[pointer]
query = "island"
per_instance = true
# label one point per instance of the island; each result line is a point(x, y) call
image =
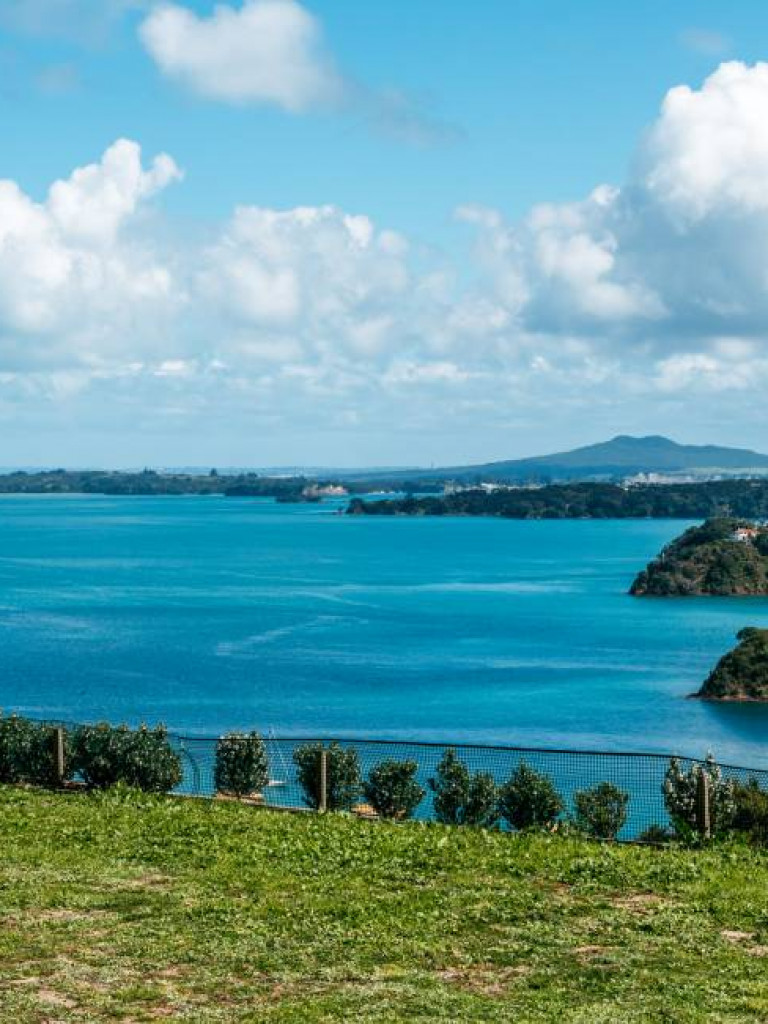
point(722, 558)
point(741, 674)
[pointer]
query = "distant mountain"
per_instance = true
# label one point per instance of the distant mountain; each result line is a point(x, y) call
point(620, 457)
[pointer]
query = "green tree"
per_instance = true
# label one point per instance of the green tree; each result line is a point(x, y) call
point(392, 789)
point(241, 764)
point(104, 755)
point(342, 778)
point(601, 810)
point(27, 752)
point(461, 797)
point(529, 799)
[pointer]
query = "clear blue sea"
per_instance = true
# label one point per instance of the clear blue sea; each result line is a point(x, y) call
point(208, 613)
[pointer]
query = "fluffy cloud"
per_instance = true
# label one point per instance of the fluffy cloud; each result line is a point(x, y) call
point(675, 258)
point(645, 293)
point(273, 52)
point(708, 151)
point(268, 51)
point(328, 281)
point(72, 288)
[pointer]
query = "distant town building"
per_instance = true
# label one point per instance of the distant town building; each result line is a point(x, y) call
point(745, 533)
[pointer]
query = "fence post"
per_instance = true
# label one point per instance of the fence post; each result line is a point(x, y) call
point(323, 802)
point(58, 754)
point(704, 805)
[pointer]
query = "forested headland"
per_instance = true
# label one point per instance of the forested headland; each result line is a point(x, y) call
point(742, 673)
point(721, 558)
point(743, 499)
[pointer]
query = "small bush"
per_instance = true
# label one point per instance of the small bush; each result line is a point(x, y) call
point(602, 810)
point(463, 798)
point(529, 799)
point(343, 775)
point(657, 834)
point(392, 789)
point(751, 810)
point(680, 795)
point(28, 752)
point(104, 755)
point(241, 764)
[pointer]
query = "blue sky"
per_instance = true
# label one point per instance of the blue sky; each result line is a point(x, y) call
point(455, 293)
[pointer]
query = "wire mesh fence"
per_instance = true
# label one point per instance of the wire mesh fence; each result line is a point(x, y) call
point(640, 776)
point(322, 773)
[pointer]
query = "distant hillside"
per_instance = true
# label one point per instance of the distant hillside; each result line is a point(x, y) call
point(620, 457)
point(624, 455)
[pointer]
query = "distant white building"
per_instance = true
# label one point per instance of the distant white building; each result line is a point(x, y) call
point(745, 533)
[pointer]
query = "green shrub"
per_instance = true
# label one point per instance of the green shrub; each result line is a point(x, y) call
point(104, 755)
point(751, 810)
point(28, 752)
point(529, 799)
point(342, 775)
point(657, 834)
point(463, 798)
point(602, 810)
point(241, 764)
point(680, 796)
point(392, 789)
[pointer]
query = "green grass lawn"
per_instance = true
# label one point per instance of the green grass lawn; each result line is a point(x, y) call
point(133, 908)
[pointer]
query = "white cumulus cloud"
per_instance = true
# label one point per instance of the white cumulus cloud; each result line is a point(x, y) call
point(71, 287)
point(671, 259)
point(273, 52)
point(267, 51)
point(708, 151)
point(639, 296)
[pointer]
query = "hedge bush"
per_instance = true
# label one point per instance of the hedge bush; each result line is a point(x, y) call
point(241, 766)
point(28, 752)
point(602, 810)
point(463, 798)
point(529, 799)
point(342, 778)
point(392, 789)
point(104, 755)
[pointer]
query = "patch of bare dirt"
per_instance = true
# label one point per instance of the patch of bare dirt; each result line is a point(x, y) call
point(53, 998)
point(638, 903)
point(735, 936)
point(485, 979)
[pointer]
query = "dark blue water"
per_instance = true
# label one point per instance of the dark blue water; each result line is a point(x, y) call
point(209, 613)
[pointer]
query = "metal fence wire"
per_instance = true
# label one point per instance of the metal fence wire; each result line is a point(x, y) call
point(641, 776)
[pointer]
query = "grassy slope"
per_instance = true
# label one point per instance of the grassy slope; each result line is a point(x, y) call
point(140, 909)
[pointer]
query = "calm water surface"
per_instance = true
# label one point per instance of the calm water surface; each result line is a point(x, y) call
point(209, 613)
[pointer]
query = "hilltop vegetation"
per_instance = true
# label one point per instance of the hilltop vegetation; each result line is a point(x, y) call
point(146, 482)
point(723, 557)
point(739, 498)
point(132, 907)
point(149, 482)
point(741, 674)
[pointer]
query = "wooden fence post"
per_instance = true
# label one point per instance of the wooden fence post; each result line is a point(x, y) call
point(323, 803)
point(58, 753)
point(704, 805)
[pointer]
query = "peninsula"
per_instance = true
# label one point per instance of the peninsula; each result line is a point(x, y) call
point(747, 499)
point(741, 674)
point(723, 557)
